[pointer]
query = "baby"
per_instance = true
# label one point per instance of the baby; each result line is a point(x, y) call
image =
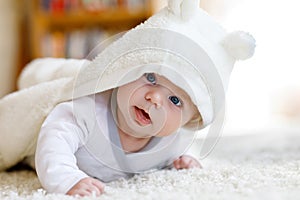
point(74, 157)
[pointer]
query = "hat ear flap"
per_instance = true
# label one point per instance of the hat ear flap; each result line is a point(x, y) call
point(175, 6)
point(183, 8)
point(189, 8)
point(239, 44)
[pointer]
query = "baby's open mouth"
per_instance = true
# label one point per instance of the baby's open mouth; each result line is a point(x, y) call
point(142, 117)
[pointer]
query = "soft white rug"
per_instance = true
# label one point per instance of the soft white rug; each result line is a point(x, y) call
point(260, 166)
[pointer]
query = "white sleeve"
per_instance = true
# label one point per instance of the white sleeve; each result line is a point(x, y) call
point(59, 139)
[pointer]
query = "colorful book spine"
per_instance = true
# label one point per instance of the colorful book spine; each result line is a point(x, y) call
point(61, 6)
point(57, 6)
point(74, 44)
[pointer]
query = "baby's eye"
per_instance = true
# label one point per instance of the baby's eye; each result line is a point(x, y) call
point(175, 100)
point(151, 78)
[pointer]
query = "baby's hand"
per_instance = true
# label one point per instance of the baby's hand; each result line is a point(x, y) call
point(186, 162)
point(86, 187)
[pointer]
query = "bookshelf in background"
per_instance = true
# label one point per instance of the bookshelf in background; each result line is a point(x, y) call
point(72, 28)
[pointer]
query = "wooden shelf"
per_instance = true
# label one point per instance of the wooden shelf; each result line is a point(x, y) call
point(42, 23)
point(103, 17)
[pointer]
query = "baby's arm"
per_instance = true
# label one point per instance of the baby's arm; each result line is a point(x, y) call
point(59, 139)
point(186, 162)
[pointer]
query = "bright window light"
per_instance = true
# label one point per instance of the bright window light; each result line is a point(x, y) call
point(257, 84)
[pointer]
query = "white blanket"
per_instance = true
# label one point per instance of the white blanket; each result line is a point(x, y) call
point(42, 84)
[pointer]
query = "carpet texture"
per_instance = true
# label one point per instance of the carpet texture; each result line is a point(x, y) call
point(261, 166)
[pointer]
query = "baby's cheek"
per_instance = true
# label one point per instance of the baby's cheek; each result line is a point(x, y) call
point(174, 120)
point(177, 117)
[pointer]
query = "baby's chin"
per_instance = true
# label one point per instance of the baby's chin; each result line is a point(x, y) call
point(142, 132)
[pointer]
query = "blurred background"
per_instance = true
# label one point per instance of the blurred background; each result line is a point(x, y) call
point(264, 92)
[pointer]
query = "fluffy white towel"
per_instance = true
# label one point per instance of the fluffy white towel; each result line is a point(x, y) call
point(42, 85)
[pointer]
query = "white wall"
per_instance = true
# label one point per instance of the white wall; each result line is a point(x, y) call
point(264, 92)
point(9, 42)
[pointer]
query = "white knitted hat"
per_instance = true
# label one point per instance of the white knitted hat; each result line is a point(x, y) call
point(182, 43)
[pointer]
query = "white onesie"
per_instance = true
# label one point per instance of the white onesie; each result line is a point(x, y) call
point(80, 139)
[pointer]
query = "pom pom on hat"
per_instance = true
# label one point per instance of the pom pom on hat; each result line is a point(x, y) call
point(239, 45)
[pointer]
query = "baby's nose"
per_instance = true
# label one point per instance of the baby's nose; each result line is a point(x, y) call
point(155, 95)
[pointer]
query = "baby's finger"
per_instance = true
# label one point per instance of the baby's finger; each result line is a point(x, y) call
point(93, 190)
point(176, 164)
point(80, 192)
point(185, 162)
point(99, 185)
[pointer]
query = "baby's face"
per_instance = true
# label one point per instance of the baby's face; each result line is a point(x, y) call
point(152, 106)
